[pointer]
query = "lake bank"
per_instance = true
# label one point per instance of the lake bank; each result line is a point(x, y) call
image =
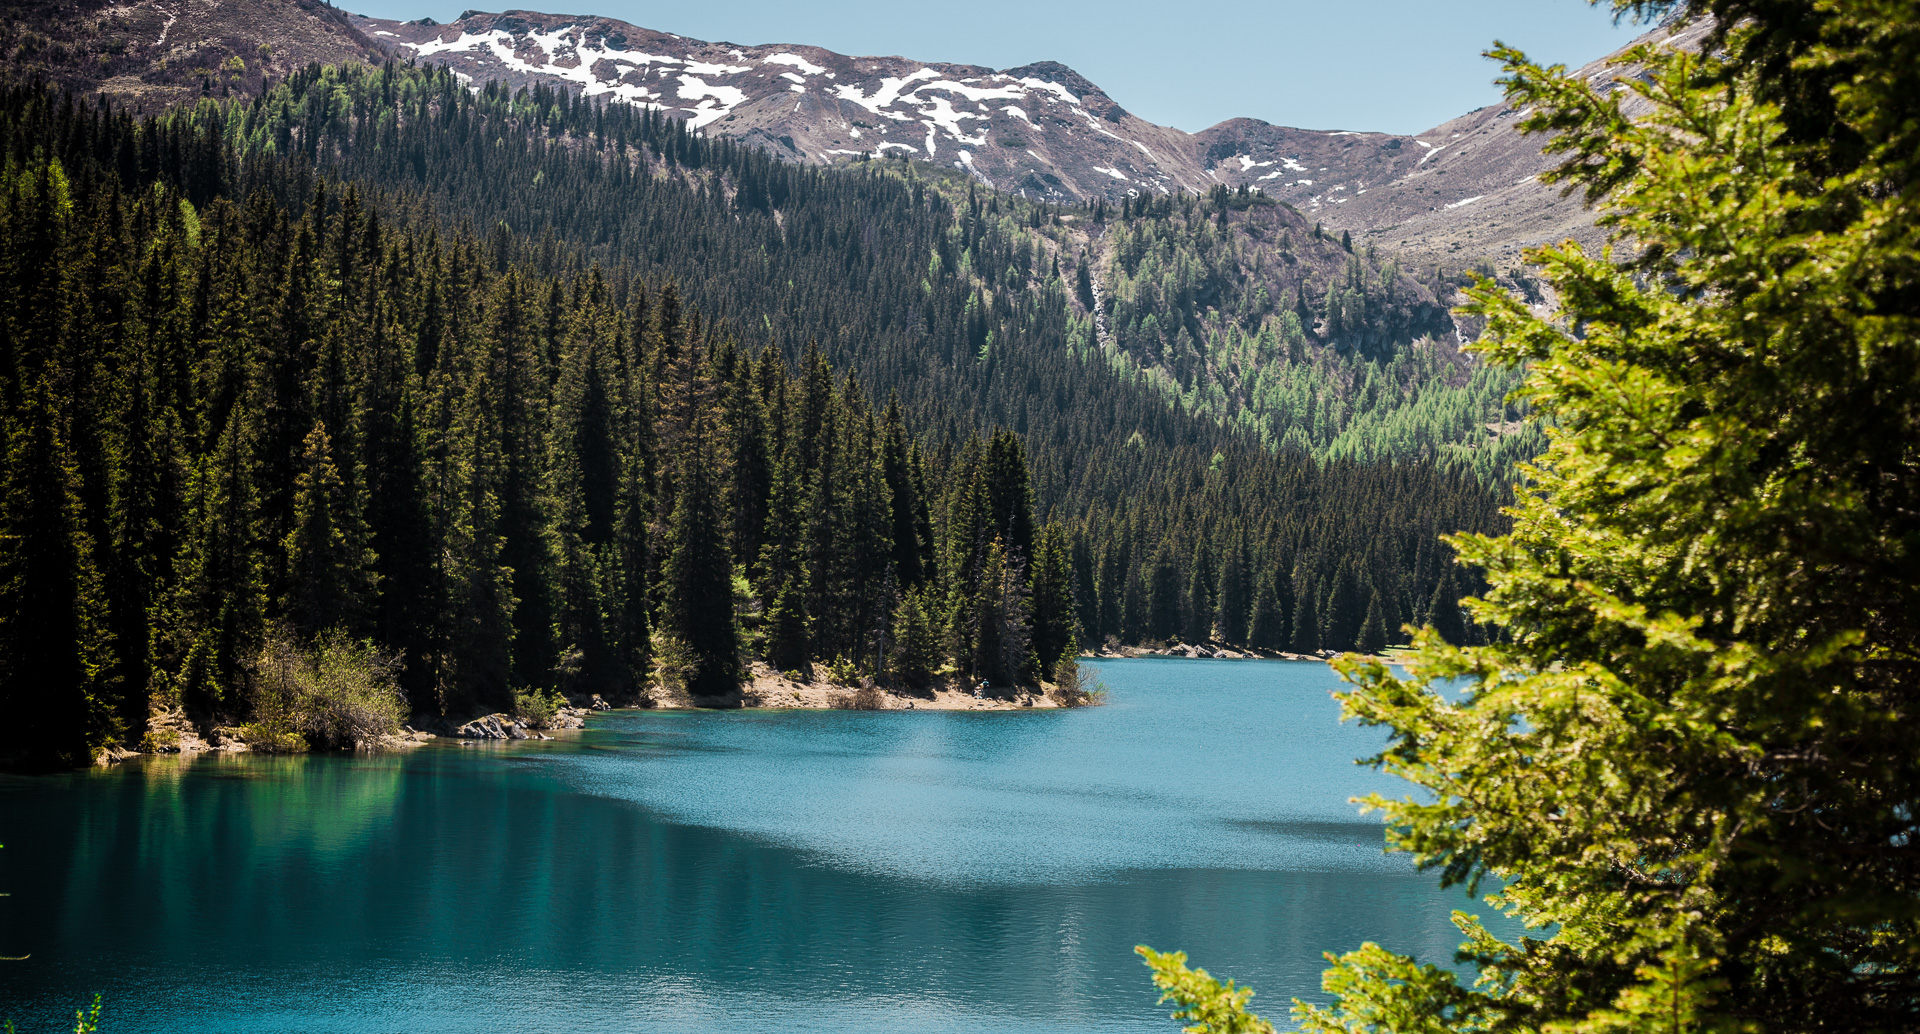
point(678, 871)
point(173, 733)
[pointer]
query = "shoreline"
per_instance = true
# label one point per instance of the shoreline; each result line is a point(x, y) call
point(171, 733)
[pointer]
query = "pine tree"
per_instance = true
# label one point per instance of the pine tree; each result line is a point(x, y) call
point(916, 644)
point(1688, 757)
point(1164, 610)
point(1306, 619)
point(1053, 596)
point(1268, 628)
point(903, 502)
point(1373, 631)
point(988, 618)
point(1198, 598)
point(476, 662)
point(1443, 610)
point(1343, 612)
point(55, 650)
point(1010, 493)
point(328, 568)
point(1234, 606)
point(218, 609)
point(789, 643)
point(697, 597)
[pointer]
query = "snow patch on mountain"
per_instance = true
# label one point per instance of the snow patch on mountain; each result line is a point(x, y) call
point(796, 61)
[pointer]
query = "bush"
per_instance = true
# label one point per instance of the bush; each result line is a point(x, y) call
point(673, 665)
point(537, 707)
point(866, 698)
point(340, 692)
point(1070, 688)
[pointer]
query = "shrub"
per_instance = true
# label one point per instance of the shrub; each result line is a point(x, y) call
point(865, 698)
point(341, 692)
point(1070, 688)
point(673, 664)
point(537, 707)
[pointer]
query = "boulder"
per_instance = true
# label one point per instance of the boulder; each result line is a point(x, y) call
point(493, 727)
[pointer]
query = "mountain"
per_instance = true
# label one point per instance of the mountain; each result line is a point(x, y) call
point(1459, 193)
point(1041, 130)
point(150, 55)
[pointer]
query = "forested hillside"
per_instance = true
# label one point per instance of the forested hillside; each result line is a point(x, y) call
point(482, 378)
point(1238, 307)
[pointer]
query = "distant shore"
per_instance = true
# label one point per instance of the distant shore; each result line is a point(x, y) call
point(172, 733)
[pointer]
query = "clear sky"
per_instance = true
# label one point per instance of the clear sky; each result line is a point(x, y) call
point(1396, 66)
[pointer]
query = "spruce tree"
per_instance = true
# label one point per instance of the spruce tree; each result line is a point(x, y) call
point(1053, 596)
point(476, 660)
point(916, 644)
point(55, 648)
point(987, 619)
point(789, 642)
point(1268, 628)
point(1164, 610)
point(327, 567)
point(1306, 620)
point(697, 597)
point(1234, 606)
point(1373, 631)
point(1443, 610)
point(1198, 599)
point(1687, 758)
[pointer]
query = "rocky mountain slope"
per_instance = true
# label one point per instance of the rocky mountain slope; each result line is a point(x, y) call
point(154, 54)
point(1040, 130)
point(1462, 192)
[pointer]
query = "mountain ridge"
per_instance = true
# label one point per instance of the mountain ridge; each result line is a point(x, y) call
point(1460, 195)
point(1464, 192)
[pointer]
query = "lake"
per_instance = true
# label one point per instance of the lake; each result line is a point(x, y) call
point(847, 871)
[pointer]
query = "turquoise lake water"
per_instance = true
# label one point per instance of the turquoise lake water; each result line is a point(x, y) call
point(725, 871)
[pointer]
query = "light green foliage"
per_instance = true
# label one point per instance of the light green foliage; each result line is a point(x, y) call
point(1689, 759)
point(1208, 1006)
point(842, 671)
point(1211, 317)
point(673, 663)
point(84, 1021)
point(87, 1022)
point(1381, 991)
point(537, 707)
point(339, 692)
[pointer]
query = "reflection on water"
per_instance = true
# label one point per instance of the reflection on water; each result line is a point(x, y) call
point(762, 870)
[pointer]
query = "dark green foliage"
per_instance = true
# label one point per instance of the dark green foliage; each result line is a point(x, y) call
point(789, 647)
point(916, 642)
point(534, 452)
point(1053, 597)
point(1306, 616)
point(697, 594)
point(325, 563)
point(1443, 611)
point(1373, 631)
point(53, 631)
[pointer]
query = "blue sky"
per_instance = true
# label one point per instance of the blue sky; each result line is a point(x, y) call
point(1395, 66)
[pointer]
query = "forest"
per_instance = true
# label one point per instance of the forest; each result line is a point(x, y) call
point(1239, 308)
point(663, 407)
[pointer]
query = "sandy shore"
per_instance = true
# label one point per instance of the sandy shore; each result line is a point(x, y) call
point(768, 688)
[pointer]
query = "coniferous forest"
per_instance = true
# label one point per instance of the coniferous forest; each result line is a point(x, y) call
point(546, 397)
